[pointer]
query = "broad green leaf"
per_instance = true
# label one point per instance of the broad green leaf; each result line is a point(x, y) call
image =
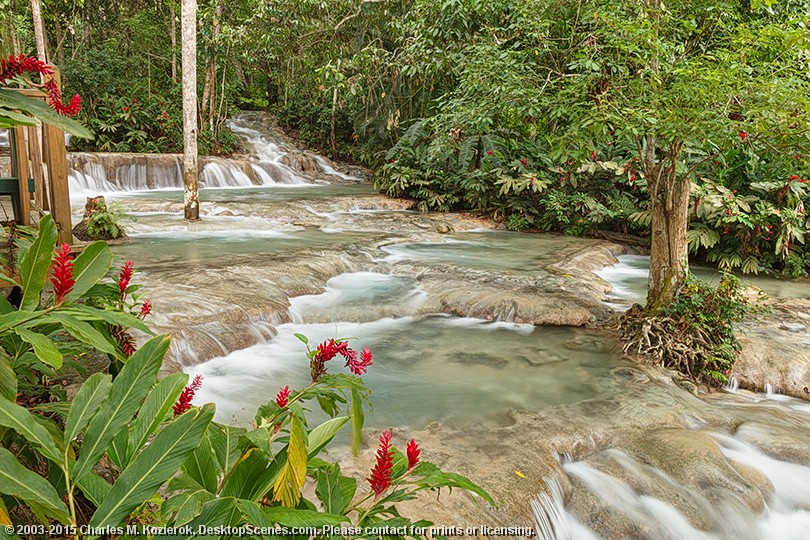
point(90, 266)
point(221, 512)
point(288, 517)
point(16, 318)
point(248, 479)
point(11, 118)
point(37, 108)
point(156, 464)
point(287, 489)
point(44, 348)
point(17, 481)
point(36, 261)
point(128, 391)
point(117, 450)
point(202, 466)
point(225, 441)
point(85, 333)
point(321, 435)
point(94, 488)
point(5, 306)
point(334, 490)
point(444, 479)
point(23, 422)
point(86, 404)
point(119, 318)
point(186, 505)
point(357, 421)
point(154, 411)
point(8, 381)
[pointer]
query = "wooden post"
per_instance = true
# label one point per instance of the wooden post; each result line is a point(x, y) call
point(35, 152)
point(56, 159)
point(22, 176)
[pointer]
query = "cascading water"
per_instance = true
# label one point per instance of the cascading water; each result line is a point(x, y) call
point(269, 161)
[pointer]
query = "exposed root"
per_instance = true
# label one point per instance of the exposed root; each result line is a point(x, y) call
point(664, 341)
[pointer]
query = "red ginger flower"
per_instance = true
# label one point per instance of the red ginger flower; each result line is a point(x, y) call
point(125, 276)
point(283, 397)
point(413, 454)
point(14, 66)
point(743, 135)
point(184, 401)
point(329, 349)
point(146, 309)
point(62, 273)
point(380, 478)
point(124, 339)
point(358, 367)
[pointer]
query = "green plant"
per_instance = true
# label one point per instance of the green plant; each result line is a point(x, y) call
point(697, 334)
point(105, 221)
point(129, 451)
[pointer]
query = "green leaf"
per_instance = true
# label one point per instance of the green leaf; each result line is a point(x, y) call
point(334, 490)
point(249, 477)
point(126, 395)
point(17, 481)
point(357, 422)
point(221, 512)
point(202, 466)
point(288, 517)
point(186, 505)
point(118, 318)
point(439, 479)
point(44, 348)
point(23, 422)
point(90, 266)
point(11, 118)
point(85, 333)
point(287, 489)
point(321, 435)
point(94, 488)
point(16, 318)
point(154, 410)
point(8, 381)
point(35, 263)
point(11, 99)
point(86, 404)
point(156, 464)
point(302, 338)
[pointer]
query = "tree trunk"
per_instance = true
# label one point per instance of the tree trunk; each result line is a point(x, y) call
point(189, 58)
point(669, 206)
point(209, 89)
point(173, 37)
point(39, 30)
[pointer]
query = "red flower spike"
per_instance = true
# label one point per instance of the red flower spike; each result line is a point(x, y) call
point(743, 135)
point(380, 478)
point(489, 152)
point(184, 401)
point(62, 273)
point(124, 277)
point(146, 309)
point(358, 367)
point(413, 454)
point(283, 397)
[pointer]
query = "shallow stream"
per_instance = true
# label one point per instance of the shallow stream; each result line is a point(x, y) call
point(316, 252)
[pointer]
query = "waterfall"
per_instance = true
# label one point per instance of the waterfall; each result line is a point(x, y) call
point(270, 160)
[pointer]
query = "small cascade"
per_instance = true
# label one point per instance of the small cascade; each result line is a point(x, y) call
point(732, 385)
point(643, 500)
point(269, 161)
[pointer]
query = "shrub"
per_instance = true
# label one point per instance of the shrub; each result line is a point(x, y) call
point(696, 334)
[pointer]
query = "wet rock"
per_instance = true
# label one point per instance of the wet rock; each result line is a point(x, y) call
point(793, 327)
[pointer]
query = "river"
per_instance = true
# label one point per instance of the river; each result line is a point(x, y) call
point(479, 348)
